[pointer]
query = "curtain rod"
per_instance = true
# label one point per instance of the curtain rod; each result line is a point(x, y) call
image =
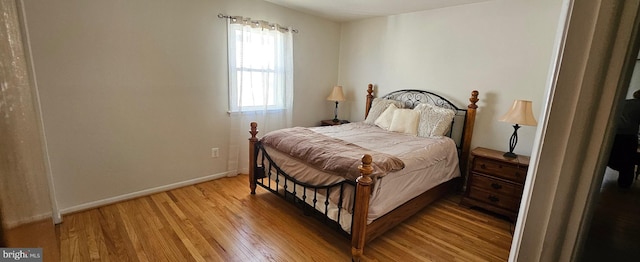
point(227, 17)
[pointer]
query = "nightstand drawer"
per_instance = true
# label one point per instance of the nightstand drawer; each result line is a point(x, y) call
point(500, 169)
point(510, 203)
point(495, 185)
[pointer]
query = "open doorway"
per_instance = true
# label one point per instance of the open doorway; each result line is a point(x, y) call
point(615, 225)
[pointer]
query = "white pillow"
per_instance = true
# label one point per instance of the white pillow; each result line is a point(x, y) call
point(434, 121)
point(378, 105)
point(405, 121)
point(384, 120)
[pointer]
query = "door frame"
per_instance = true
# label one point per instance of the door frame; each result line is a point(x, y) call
point(596, 51)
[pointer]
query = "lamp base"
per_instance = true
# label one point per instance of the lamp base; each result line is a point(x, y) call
point(510, 155)
point(512, 142)
point(335, 112)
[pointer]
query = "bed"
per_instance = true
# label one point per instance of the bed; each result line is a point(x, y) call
point(364, 178)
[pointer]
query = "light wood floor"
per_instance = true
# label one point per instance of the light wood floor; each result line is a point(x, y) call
point(220, 221)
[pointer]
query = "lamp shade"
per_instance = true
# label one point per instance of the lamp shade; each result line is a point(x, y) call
point(336, 94)
point(520, 113)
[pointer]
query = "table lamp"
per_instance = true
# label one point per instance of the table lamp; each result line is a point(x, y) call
point(337, 96)
point(519, 114)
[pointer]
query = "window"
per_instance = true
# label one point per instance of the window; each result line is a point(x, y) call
point(260, 66)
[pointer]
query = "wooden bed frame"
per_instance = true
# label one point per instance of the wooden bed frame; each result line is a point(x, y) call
point(361, 233)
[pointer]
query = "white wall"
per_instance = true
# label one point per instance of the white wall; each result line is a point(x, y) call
point(134, 93)
point(501, 48)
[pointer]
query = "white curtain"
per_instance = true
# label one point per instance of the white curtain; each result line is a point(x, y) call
point(260, 83)
point(24, 188)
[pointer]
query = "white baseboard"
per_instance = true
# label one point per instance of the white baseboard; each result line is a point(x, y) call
point(145, 192)
point(242, 170)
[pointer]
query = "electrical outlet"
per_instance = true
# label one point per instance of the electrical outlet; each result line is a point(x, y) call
point(215, 152)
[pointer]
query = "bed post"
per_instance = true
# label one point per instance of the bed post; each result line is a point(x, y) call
point(361, 209)
point(252, 157)
point(369, 100)
point(468, 132)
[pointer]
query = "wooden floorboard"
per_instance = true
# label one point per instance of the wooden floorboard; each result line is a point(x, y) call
point(220, 221)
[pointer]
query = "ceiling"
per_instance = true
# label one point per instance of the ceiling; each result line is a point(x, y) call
point(349, 10)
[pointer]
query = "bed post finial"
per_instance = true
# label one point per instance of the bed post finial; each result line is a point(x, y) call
point(474, 99)
point(468, 132)
point(365, 169)
point(369, 100)
point(254, 131)
point(252, 157)
point(361, 209)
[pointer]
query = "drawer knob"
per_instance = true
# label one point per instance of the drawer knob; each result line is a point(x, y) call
point(518, 174)
point(483, 166)
point(493, 198)
point(496, 186)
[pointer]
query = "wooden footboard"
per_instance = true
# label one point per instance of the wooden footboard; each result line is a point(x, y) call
point(360, 232)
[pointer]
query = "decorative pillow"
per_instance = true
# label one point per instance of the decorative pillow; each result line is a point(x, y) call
point(384, 120)
point(378, 105)
point(434, 121)
point(405, 121)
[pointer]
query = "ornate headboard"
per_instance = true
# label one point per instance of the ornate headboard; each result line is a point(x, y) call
point(461, 130)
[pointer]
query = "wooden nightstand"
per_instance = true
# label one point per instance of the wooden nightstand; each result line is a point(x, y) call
point(494, 182)
point(331, 123)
